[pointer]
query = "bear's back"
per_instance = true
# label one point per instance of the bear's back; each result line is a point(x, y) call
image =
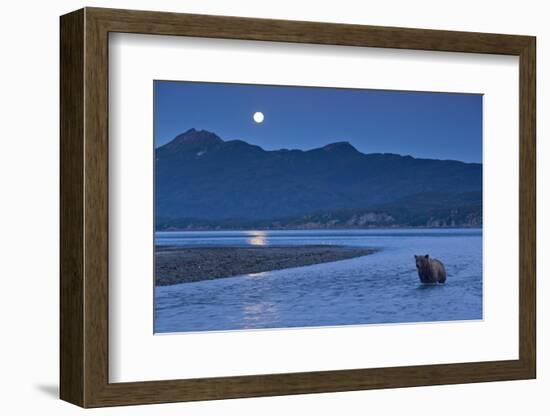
point(439, 273)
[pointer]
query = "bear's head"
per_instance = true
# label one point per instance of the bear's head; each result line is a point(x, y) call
point(422, 261)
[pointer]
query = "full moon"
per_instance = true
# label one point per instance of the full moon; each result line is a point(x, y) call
point(258, 117)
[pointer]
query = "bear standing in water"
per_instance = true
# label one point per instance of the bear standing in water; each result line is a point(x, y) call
point(430, 270)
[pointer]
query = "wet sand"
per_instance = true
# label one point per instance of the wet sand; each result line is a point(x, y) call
point(182, 265)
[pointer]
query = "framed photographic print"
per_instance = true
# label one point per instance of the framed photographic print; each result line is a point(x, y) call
point(255, 207)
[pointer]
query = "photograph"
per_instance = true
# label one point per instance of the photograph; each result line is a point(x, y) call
point(285, 206)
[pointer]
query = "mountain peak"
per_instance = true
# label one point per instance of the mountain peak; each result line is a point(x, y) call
point(339, 146)
point(193, 135)
point(192, 139)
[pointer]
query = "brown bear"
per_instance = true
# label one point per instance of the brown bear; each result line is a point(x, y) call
point(430, 270)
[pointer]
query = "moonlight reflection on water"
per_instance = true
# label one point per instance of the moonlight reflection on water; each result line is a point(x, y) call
point(257, 238)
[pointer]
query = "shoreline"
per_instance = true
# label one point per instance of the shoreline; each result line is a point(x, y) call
point(174, 265)
point(252, 229)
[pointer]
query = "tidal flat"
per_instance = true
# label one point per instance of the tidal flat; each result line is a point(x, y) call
point(175, 265)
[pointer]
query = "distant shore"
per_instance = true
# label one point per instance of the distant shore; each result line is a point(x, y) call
point(296, 228)
point(183, 265)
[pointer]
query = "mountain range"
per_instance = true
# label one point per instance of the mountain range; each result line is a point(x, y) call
point(204, 182)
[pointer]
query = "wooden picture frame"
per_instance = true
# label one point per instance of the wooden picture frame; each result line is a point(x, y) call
point(84, 207)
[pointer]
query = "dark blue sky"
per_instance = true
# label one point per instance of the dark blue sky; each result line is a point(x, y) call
point(420, 124)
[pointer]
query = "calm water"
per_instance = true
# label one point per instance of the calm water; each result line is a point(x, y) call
point(379, 288)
